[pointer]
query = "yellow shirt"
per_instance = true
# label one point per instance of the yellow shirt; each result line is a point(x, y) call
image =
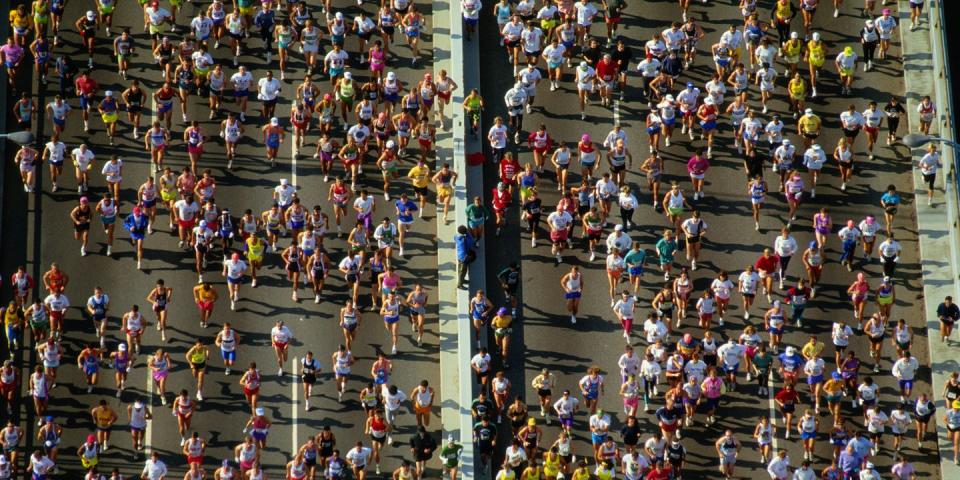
point(812, 349)
point(783, 10)
point(501, 321)
point(551, 464)
point(792, 48)
point(581, 474)
point(809, 124)
point(17, 20)
point(833, 386)
point(102, 417)
point(818, 52)
point(420, 176)
point(10, 317)
point(255, 249)
point(198, 356)
point(797, 88)
point(204, 295)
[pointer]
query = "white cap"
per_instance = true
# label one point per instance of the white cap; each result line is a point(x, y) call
point(786, 142)
point(91, 15)
point(816, 36)
point(791, 351)
point(450, 438)
point(391, 144)
point(138, 404)
point(339, 16)
point(669, 97)
point(618, 228)
point(108, 93)
point(274, 121)
point(709, 101)
point(284, 181)
point(203, 223)
point(794, 35)
point(816, 146)
point(869, 22)
point(122, 347)
point(808, 111)
point(259, 411)
point(583, 65)
point(347, 75)
point(391, 75)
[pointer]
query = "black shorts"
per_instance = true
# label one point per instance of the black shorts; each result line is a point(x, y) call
point(309, 378)
point(617, 168)
point(134, 109)
point(270, 103)
point(694, 239)
point(811, 136)
point(422, 191)
point(544, 392)
point(930, 180)
point(486, 448)
point(81, 227)
point(851, 133)
point(511, 43)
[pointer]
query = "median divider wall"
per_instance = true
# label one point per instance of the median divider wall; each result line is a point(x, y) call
point(461, 61)
point(926, 72)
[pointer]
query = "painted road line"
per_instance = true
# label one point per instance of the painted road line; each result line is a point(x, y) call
point(616, 112)
point(148, 435)
point(294, 151)
point(294, 419)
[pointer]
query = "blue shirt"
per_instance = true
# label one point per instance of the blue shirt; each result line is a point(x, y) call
point(848, 462)
point(264, 19)
point(791, 364)
point(406, 210)
point(861, 446)
point(464, 244)
point(889, 199)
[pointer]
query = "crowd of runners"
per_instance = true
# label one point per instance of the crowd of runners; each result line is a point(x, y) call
point(351, 110)
point(681, 363)
point(348, 111)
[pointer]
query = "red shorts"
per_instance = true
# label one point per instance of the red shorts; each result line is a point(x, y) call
point(688, 113)
point(5, 389)
point(301, 125)
point(558, 236)
point(444, 95)
point(706, 317)
point(251, 391)
point(612, 20)
point(134, 333)
point(499, 208)
point(195, 460)
point(425, 143)
point(205, 305)
point(872, 130)
point(194, 149)
point(349, 163)
point(55, 315)
point(540, 151)
point(188, 224)
point(668, 427)
point(280, 345)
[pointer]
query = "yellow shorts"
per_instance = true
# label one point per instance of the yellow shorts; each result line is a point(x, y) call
point(110, 117)
point(168, 196)
point(246, 10)
point(444, 191)
point(157, 29)
point(846, 72)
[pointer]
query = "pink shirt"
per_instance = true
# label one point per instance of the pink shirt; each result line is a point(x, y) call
point(698, 165)
point(11, 53)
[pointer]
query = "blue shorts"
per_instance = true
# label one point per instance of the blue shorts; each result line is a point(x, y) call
point(412, 33)
point(711, 403)
point(815, 379)
point(137, 235)
point(164, 107)
point(85, 102)
point(635, 271)
point(392, 97)
point(775, 331)
point(228, 356)
point(669, 121)
point(149, 203)
point(472, 22)
point(90, 369)
point(257, 435)
point(241, 93)
point(9, 64)
point(108, 220)
point(391, 319)
point(808, 435)
point(868, 403)
point(572, 295)
point(60, 122)
point(273, 145)
point(235, 281)
point(906, 384)
point(728, 369)
point(553, 66)
point(295, 225)
point(337, 39)
point(597, 439)
point(567, 45)
point(710, 125)
point(653, 130)
point(335, 72)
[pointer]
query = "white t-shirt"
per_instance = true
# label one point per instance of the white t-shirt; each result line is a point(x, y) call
point(268, 88)
point(112, 171)
point(364, 205)
point(235, 269)
point(481, 362)
point(285, 193)
point(281, 334)
point(749, 281)
point(498, 136)
point(186, 211)
point(241, 81)
point(83, 158)
point(585, 12)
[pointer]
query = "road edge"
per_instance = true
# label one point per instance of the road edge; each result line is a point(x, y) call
point(925, 73)
point(461, 61)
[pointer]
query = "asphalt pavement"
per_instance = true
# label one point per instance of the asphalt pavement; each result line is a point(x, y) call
point(548, 338)
point(43, 221)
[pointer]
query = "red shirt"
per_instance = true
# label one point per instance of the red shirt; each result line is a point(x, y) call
point(501, 199)
point(787, 397)
point(606, 69)
point(539, 141)
point(85, 84)
point(508, 170)
point(663, 474)
point(767, 264)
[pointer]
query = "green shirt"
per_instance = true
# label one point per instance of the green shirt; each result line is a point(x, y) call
point(451, 454)
point(666, 249)
point(635, 258)
point(762, 361)
point(477, 213)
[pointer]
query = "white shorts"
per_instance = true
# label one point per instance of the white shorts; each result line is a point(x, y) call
point(585, 87)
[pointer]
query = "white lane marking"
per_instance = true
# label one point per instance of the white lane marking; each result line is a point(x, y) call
point(772, 407)
point(293, 160)
point(153, 104)
point(294, 438)
point(148, 435)
point(616, 111)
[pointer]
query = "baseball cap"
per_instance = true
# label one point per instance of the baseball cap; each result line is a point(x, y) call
point(808, 111)
point(347, 75)
point(391, 75)
point(391, 144)
point(618, 228)
point(501, 186)
point(816, 36)
point(502, 311)
point(122, 347)
point(259, 411)
point(274, 121)
point(786, 142)
point(339, 16)
point(450, 438)
point(137, 210)
point(585, 137)
point(108, 93)
point(84, 200)
point(689, 84)
point(836, 375)
point(794, 35)
point(203, 223)
point(284, 181)
point(91, 15)
point(812, 244)
point(791, 351)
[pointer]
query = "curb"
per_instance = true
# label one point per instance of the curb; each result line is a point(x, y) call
point(461, 61)
point(926, 67)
